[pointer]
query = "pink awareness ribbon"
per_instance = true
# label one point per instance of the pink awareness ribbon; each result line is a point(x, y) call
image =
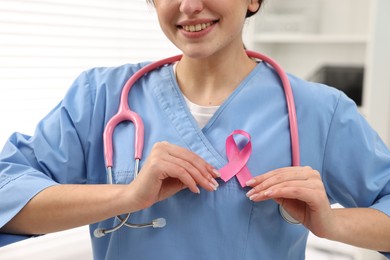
point(237, 159)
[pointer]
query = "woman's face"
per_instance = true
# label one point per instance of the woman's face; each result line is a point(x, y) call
point(201, 28)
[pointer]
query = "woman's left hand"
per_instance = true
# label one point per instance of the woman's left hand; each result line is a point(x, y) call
point(301, 193)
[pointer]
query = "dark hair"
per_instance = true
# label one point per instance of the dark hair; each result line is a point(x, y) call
point(248, 13)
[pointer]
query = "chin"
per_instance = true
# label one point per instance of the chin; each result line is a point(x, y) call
point(197, 53)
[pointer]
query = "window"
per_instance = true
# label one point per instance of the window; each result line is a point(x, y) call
point(46, 44)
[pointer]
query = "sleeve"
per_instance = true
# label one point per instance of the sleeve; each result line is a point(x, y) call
point(356, 169)
point(54, 154)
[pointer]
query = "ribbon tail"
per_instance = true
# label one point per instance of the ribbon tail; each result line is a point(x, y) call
point(243, 176)
point(229, 170)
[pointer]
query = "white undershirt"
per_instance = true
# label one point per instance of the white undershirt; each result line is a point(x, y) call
point(201, 114)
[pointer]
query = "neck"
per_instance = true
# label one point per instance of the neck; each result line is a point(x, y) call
point(211, 80)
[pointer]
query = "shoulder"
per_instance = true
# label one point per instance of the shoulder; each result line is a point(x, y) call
point(310, 98)
point(321, 104)
point(117, 74)
point(103, 81)
point(314, 95)
point(313, 101)
point(97, 89)
point(115, 70)
point(306, 93)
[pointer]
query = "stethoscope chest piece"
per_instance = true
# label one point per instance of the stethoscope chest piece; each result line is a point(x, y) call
point(287, 217)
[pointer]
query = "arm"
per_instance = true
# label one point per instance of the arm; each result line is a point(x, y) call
point(62, 207)
point(67, 149)
point(301, 192)
point(362, 227)
point(354, 172)
point(167, 170)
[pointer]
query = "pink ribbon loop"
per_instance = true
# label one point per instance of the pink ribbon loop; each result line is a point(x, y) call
point(237, 159)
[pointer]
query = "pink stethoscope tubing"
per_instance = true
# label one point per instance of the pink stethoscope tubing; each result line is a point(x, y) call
point(126, 114)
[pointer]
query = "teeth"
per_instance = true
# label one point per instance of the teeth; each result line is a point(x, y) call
point(197, 27)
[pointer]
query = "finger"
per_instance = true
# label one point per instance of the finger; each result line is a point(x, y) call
point(204, 179)
point(202, 172)
point(257, 180)
point(313, 199)
point(283, 175)
point(171, 170)
point(167, 166)
point(197, 161)
point(300, 190)
point(171, 187)
point(159, 168)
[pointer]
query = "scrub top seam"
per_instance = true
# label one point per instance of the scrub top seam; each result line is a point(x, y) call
point(247, 232)
point(179, 96)
point(165, 107)
point(323, 175)
point(9, 179)
point(91, 91)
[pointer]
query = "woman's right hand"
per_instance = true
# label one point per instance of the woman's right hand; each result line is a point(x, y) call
point(169, 169)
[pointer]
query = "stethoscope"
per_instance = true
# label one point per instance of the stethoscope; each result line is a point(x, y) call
point(126, 114)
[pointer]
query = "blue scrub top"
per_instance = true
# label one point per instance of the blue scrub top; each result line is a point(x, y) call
point(67, 147)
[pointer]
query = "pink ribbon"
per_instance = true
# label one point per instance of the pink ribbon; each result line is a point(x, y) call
point(237, 159)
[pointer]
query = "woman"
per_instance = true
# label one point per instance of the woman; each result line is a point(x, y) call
point(207, 218)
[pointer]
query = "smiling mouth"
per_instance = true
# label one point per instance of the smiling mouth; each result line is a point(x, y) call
point(196, 27)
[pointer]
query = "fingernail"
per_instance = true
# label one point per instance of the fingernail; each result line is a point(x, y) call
point(197, 190)
point(250, 193)
point(254, 196)
point(250, 182)
point(214, 184)
point(217, 173)
point(267, 192)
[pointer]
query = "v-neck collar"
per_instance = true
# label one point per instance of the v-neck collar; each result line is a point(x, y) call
point(174, 106)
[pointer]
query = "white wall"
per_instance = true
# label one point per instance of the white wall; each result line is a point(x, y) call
point(377, 94)
point(44, 45)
